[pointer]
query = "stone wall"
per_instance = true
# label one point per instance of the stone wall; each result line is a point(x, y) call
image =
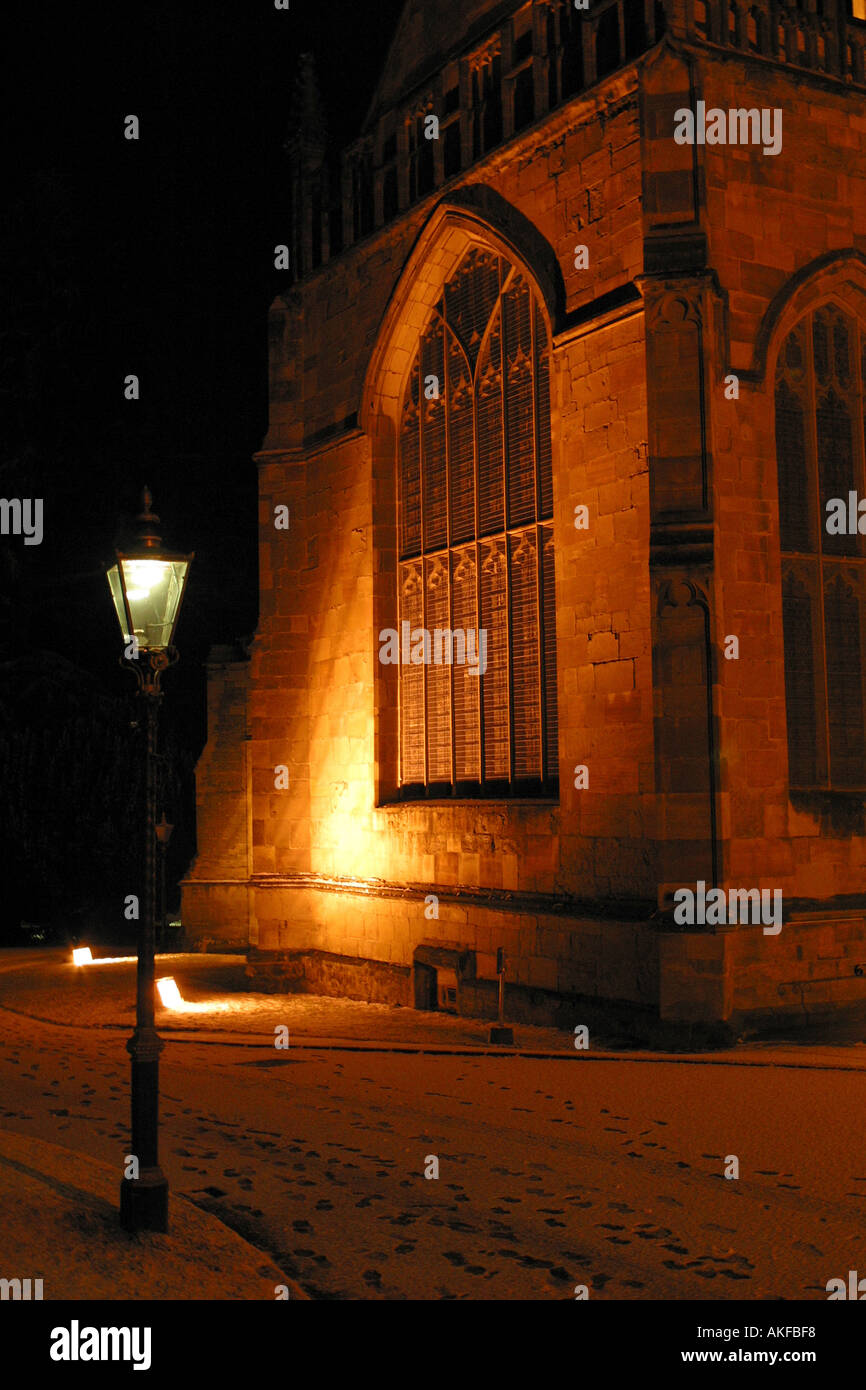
point(699, 260)
point(216, 900)
point(814, 970)
point(575, 180)
point(785, 232)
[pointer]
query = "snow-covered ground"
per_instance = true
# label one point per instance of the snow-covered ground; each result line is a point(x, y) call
point(607, 1172)
point(214, 990)
point(217, 1001)
point(60, 1225)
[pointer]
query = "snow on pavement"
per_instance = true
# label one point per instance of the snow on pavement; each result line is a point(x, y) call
point(550, 1176)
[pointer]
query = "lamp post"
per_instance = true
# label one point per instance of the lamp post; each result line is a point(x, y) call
point(147, 585)
point(163, 835)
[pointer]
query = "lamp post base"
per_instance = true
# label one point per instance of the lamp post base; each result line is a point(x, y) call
point(144, 1201)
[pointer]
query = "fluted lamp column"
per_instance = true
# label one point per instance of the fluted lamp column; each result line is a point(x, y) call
point(147, 586)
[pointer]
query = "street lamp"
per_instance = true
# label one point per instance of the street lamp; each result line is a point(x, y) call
point(163, 835)
point(147, 585)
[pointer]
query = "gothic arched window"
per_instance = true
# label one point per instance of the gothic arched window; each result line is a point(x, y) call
point(820, 417)
point(475, 544)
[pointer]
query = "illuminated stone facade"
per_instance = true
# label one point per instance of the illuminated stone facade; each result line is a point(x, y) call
point(665, 278)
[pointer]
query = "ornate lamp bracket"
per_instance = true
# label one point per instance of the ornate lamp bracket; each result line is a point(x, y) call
point(148, 666)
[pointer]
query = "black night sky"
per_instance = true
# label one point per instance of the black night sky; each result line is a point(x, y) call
point(155, 258)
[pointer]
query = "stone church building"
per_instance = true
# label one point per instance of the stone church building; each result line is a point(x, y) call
point(562, 587)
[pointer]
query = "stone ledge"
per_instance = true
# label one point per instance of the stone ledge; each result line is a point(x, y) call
point(497, 899)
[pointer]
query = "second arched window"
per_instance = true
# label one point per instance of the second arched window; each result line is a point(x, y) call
point(820, 417)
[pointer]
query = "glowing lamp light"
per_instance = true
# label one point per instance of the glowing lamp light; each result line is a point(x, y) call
point(147, 585)
point(171, 998)
point(169, 994)
point(81, 956)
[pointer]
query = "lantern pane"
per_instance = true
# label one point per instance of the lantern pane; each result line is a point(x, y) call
point(117, 599)
point(154, 588)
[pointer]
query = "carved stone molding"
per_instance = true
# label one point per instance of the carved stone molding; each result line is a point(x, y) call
point(484, 55)
point(493, 899)
point(681, 591)
point(681, 543)
point(675, 298)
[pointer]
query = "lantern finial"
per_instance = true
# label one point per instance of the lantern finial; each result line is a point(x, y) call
point(148, 534)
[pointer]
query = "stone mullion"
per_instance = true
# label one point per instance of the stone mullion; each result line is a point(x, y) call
point(403, 163)
point(790, 26)
point(438, 109)
point(465, 115)
point(347, 197)
point(773, 29)
point(539, 547)
point(446, 375)
point(422, 459)
point(741, 24)
point(649, 15)
point(820, 644)
point(858, 411)
point(834, 49)
point(506, 548)
point(477, 553)
point(506, 82)
point(378, 180)
point(589, 52)
point(540, 61)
